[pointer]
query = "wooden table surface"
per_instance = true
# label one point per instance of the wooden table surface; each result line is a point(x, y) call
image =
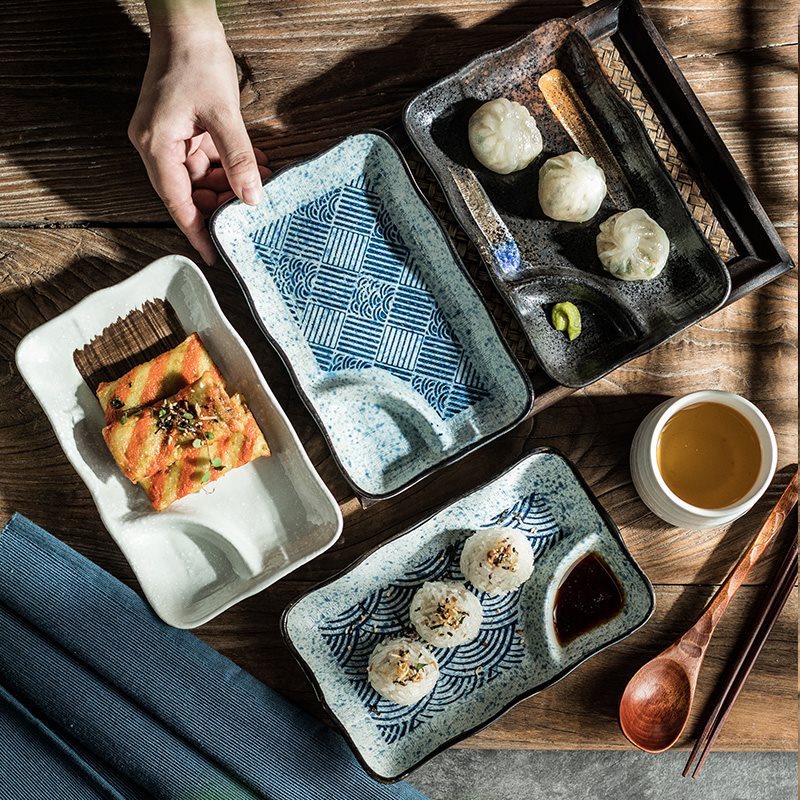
point(77, 214)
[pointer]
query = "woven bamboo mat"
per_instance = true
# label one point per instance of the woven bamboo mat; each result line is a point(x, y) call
point(621, 77)
point(142, 334)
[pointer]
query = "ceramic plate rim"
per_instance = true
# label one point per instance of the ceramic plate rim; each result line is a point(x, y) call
point(479, 240)
point(177, 262)
point(287, 361)
point(517, 699)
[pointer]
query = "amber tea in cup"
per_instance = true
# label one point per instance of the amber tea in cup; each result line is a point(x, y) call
point(709, 455)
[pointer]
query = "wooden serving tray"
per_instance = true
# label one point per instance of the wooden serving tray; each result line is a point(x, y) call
point(635, 58)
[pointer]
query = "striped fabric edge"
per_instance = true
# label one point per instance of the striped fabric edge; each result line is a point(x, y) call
point(80, 767)
point(102, 720)
point(238, 722)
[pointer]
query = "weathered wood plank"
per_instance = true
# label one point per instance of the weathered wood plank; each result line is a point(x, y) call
point(313, 72)
point(751, 97)
point(581, 711)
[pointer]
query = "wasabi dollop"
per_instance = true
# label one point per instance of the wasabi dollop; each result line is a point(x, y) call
point(566, 317)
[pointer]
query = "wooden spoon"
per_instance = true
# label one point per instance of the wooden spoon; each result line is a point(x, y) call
point(656, 702)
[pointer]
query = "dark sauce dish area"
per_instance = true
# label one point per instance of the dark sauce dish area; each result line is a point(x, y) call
point(588, 596)
point(552, 261)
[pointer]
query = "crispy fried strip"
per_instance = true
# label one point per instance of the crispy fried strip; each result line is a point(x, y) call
point(144, 444)
point(156, 379)
point(186, 477)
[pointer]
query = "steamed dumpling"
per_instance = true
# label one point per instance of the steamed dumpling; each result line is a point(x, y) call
point(503, 136)
point(571, 187)
point(497, 560)
point(632, 246)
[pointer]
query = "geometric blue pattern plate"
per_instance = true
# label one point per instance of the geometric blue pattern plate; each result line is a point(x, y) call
point(354, 281)
point(333, 628)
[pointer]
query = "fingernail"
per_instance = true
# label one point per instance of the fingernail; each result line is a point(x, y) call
point(252, 194)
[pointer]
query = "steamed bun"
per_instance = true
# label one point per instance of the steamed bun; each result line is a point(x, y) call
point(503, 136)
point(571, 187)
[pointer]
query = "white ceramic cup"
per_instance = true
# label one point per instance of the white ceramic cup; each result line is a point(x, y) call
point(652, 487)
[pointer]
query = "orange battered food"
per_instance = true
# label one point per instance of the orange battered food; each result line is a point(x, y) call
point(152, 438)
point(156, 379)
point(172, 444)
point(205, 465)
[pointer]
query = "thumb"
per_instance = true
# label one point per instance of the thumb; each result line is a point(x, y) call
point(237, 157)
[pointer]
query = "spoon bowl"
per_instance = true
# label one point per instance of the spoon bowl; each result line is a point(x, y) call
point(655, 705)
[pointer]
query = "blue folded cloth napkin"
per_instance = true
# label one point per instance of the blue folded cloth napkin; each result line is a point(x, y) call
point(100, 699)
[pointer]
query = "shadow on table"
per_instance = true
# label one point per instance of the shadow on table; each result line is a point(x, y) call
point(100, 93)
point(388, 76)
point(74, 61)
point(83, 62)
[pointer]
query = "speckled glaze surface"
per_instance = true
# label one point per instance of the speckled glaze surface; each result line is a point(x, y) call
point(537, 262)
point(213, 548)
point(334, 628)
point(355, 282)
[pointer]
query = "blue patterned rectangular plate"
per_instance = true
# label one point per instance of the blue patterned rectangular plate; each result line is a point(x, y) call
point(354, 281)
point(334, 628)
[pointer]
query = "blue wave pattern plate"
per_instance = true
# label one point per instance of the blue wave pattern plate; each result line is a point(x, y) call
point(353, 279)
point(334, 628)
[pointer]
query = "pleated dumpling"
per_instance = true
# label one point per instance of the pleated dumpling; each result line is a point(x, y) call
point(571, 187)
point(504, 136)
point(632, 246)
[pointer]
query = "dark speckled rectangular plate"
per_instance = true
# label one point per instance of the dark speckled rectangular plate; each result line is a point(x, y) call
point(537, 262)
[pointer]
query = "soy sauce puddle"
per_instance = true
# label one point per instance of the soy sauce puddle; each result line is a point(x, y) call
point(589, 596)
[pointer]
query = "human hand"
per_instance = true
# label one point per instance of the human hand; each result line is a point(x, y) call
point(188, 127)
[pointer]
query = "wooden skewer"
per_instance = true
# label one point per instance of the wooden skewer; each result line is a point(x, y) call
point(775, 599)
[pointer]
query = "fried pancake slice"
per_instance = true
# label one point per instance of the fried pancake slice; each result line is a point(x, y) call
point(151, 439)
point(208, 463)
point(156, 379)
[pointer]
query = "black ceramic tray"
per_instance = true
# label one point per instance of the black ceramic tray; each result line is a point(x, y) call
point(600, 101)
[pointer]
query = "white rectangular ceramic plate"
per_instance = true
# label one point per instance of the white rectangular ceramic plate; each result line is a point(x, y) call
point(209, 550)
point(334, 628)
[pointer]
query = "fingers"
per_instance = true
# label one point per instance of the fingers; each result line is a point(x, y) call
point(198, 164)
point(211, 187)
point(185, 176)
point(209, 201)
point(237, 156)
point(170, 178)
point(206, 201)
point(212, 190)
point(216, 179)
point(206, 144)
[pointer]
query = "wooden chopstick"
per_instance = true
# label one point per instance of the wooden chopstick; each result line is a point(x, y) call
point(773, 602)
point(756, 642)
